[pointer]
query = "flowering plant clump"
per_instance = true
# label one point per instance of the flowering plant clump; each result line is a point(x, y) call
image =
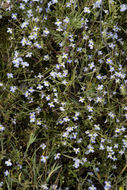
point(63, 95)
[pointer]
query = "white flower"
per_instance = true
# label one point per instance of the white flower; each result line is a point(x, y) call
point(22, 6)
point(13, 88)
point(29, 54)
point(43, 146)
point(92, 188)
point(39, 86)
point(40, 75)
point(2, 128)
point(51, 104)
point(14, 16)
point(102, 147)
point(1, 84)
point(1, 183)
point(112, 115)
point(90, 109)
point(64, 82)
point(91, 148)
point(24, 64)
point(46, 83)
point(25, 1)
point(77, 150)
point(54, 1)
point(99, 99)
point(32, 120)
point(47, 97)
point(64, 55)
point(26, 94)
point(31, 90)
point(6, 173)
point(45, 32)
point(77, 162)
point(65, 134)
point(100, 87)
point(109, 61)
point(44, 158)
point(8, 163)
point(107, 185)
point(57, 156)
point(58, 23)
point(91, 65)
point(86, 10)
point(46, 57)
point(97, 127)
point(23, 41)
point(121, 152)
point(66, 20)
point(9, 75)
point(44, 187)
point(123, 7)
point(24, 24)
point(81, 99)
point(9, 30)
point(97, 4)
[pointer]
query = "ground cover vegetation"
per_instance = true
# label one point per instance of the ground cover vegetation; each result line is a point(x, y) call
point(63, 95)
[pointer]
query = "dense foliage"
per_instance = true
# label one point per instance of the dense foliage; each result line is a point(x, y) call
point(63, 95)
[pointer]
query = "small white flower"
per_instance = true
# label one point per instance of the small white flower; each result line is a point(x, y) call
point(64, 55)
point(107, 185)
point(9, 75)
point(109, 61)
point(57, 156)
point(66, 20)
point(92, 188)
point(58, 23)
point(86, 10)
point(2, 128)
point(64, 82)
point(44, 187)
point(54, 1)
point(77, 162)
point(24, 64)
point(23, 41)
point(112, 115)
point(47, 97)
point(31, 90)
point(13, 88)
point(46, 57)
point(46, 83)
point(90, 109)
point(97, 127)
point(24, 24)
point(43, 146)
point(1, 84)
point(45, 32)
point(6, 173)
point(8, 163)
point(29, 54)
point(14, 16)
point(91, 148)
point(81, 99)
point(9, 30)
point(39, 86)
point(44, 158)
point(51, 104)
point(123, 7)
point(32, 120)
point(1, 183)
point(100, 87)
point(26, 94)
